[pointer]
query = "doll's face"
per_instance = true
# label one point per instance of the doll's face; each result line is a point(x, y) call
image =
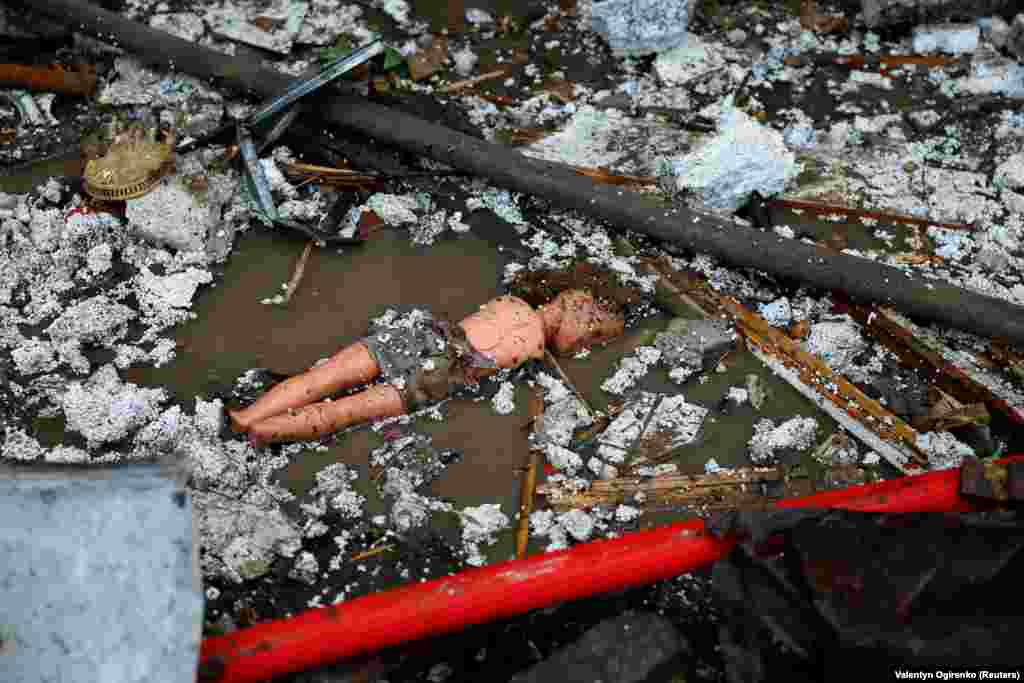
point(585, 322)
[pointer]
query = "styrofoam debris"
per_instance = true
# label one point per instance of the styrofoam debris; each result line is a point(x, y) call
point(184, 25)
point(836, 450)
point(171, 215)
point(35, 356)
point(268, 24)
point(543, 523)
point(477, 16)
point(591, 139)
point(601, 469)
point(737, 395)
point(502, 203)
point(689, 346)
point(480, 526)
point(639, 27)
point(1011, 172)
point(992, 75)
point(104, 410)
point(334, 483)
point(837, 343)
point(953, 245)
point(949, 38)
point(673, 421)
point(99, 258)
point(241, 539)
point(690, 59)
point(631, 369)
point(577, 524)
point(994, 29)
point(712, 467)
point(797, 434)
point(943, 449)
point(306, 569)
point(627, 513)
point(96, 319)
point(326, 20)
point(175, 290)
point(560, 420)
point(743, 157)
point(465, 61)
point(563, 459)
point(396, 9)
point(504, 401)
point(394, 209)
point(778, 313)
point(1014, 37)
point(137, 84)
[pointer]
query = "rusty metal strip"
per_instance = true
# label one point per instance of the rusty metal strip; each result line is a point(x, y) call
point(884, 216)
point(865, 417)
point(902, 338)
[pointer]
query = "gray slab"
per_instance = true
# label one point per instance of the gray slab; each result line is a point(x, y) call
point(99, 577)
point(625, 649)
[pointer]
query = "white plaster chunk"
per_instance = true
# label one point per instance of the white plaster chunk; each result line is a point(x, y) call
point(34, 356)
point(480, 526)
point(270, 24)
point(171, 215)
point(104, 410)
point(97, 319)
point(948, 38)
point(184, 25)
point(673, 419)
point(837, 343)
point(173, 291)
point(797, 433)
point(241, 539)
point(743, 157)
point(943, 449)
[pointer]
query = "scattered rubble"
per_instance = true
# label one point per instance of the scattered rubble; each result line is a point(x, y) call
point(479, 527)
point(85, 295)
point(744, 158)
point(664, 422)
point(796, 434)
point(639, 27)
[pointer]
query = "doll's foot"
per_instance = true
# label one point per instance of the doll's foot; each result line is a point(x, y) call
point(238, 424)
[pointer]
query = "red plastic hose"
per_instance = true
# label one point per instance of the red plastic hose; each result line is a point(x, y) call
point(374, 622)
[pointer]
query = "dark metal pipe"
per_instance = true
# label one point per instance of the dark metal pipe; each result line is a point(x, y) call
point(861, 279)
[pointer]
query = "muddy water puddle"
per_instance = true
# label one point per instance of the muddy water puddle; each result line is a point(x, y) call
point(233, 332)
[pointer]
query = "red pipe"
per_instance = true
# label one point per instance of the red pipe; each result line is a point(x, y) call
point(374, 622)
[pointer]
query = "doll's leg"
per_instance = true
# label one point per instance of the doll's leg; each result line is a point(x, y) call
point(314, 421)
point(351, 366)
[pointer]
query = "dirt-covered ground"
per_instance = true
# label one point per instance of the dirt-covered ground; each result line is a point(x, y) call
point(127, 328)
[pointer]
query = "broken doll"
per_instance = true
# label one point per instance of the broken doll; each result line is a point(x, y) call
point(421, 360)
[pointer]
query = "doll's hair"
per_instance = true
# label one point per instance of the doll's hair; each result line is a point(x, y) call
point(538, 287)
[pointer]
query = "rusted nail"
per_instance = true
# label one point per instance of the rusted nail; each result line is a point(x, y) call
point(49, 79)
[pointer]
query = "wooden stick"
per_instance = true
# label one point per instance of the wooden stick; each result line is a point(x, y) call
point(528, 488)
point(372, 552)
point(459, 85)
point(526, 494)
point(300, 269)
point(568, 382)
